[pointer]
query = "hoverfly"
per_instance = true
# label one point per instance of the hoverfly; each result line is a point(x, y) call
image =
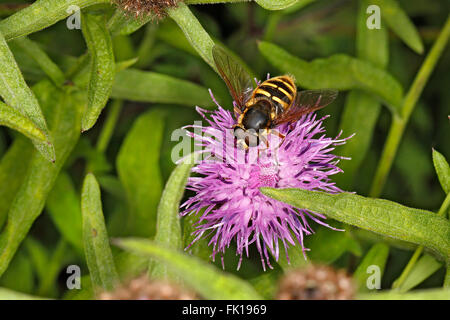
point(273, 102)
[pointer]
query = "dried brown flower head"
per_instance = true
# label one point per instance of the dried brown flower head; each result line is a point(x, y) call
point(316, 282)
point(143, 288)
point(140, 8)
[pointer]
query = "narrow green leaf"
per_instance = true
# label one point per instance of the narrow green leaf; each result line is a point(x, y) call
point(103, 67)
point(361, 109)
point(34, 51)
point(18, 95)
point(376, 256)
point(39, 256)
point(194, 32)
point(277, 4)
point(63, 112)
point(442, 170)
point(422, 270)
point(7, 294)
point(13, 168)
point(60, 256)
point(20, 275)
point(380, 216)
point(204, 278)
point(338, 71)
point(63, 205)
point(125, 64)
point(95, 238)
point(399, 22)
point(138, 168)
point(431, 294)
point(136, 85)
point(13, 119)
point(40, 15)
point(168, 226)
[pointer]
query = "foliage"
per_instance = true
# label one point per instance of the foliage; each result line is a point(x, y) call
point(86, 143)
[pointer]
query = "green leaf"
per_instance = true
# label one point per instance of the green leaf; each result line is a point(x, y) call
point(338, 71)
point(63, 112)
point(361, 109)
point(138, 168)
point(376, 256)
point(20, 275)
point(136, 85)
point(442, 170)
point(40, 15)
point(422, 270)
point(13, 168)
point(18, 95)
point(95, 238)
point(39, 256)
point(204, 278)
point(399, 22)
point(103, 67)
point(7, 294)
point(277, 4)
point(34, 51)
point(431, 294)
point(63, 205)
point(168, 226)
point(359, 117)
point(13, 119)
point(194, 32)
point(380, 216)
point(60, 256)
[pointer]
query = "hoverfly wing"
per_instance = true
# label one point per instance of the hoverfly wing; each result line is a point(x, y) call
point(238, 81)
point(307, 101)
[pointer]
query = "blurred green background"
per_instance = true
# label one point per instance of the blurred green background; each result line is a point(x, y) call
point(316, 30)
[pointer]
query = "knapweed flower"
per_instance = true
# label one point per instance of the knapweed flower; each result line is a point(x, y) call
point(226, 187)
point(143, 288)
point(316, 282)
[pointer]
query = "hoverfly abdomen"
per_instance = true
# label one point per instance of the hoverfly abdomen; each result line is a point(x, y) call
point(280, 90)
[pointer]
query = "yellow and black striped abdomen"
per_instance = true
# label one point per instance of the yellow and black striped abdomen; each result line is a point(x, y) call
point(281, 90)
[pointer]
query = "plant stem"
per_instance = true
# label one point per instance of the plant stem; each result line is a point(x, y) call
point(442, 210)
point(399, 123)
point(397, 284)
point(444, 207)
point(110, 124)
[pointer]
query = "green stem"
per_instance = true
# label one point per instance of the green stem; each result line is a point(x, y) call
point(272, 23)
point(444, 207)
point(419, 250)
point(397, 284)
point(110, 124)
point(399, 122)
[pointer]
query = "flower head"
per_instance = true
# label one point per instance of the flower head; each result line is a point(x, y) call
point(141, 8)
point(316, 282)
point(227, 194)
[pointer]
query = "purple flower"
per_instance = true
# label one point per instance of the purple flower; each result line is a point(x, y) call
point(227, 186)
